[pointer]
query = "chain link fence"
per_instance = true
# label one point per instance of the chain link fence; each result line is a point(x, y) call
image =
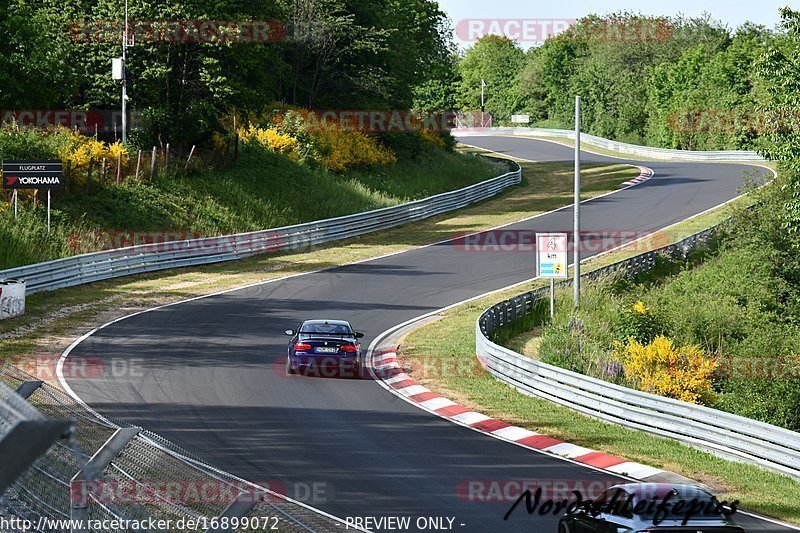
point(148, 477)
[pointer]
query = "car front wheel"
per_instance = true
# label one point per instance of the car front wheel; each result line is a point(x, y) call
point(289, 369)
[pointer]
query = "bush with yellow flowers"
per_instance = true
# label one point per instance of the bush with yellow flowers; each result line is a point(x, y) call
point(638, 321)
point(78, 152)
point(339, 150)
point(661, 367)
point(269, 138)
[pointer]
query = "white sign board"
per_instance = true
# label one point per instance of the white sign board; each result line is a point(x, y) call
point(520, 119)
point(12, 298)
point(551, 255)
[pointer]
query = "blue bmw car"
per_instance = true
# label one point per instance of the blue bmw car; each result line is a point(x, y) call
point(324, 347)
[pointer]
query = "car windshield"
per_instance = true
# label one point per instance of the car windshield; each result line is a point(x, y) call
point(326, 329)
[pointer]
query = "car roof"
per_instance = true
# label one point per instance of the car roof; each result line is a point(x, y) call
point(330, 322)
point(659, 490)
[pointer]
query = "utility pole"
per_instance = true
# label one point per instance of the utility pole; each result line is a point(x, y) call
point(483, 95)
point(576, 230)
point(125, 77)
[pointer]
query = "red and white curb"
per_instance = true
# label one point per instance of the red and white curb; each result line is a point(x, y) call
point(387, 369)
point(644, 175)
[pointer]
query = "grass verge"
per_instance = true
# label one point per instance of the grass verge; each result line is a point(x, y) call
point(449, 343)
point(262, 190)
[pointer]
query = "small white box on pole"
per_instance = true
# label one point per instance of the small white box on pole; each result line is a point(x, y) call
point(117, 69)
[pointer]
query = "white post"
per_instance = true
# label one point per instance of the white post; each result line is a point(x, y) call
point(576, 235)
point(483, 107)
point(48, 211)
point(125, 77)
point(16, 209)
point(552, 298)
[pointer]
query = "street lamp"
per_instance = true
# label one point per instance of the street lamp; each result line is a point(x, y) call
point(483, 97)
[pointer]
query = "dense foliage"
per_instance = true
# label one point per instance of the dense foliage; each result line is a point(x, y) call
point(342, 54)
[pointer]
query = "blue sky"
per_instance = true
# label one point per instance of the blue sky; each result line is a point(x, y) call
point(731, 13)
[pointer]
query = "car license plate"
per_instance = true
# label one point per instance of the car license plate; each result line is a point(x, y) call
point(327, 350)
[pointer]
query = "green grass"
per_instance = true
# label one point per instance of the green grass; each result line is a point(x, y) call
point(260, 191)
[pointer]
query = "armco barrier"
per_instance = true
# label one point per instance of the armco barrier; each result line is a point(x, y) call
point(86, 268)
point(616, 146)
point(138, 476)
point(718, 432)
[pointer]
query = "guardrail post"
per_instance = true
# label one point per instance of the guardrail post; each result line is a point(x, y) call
point(239, 508)
point(81, 484)
point(26, 388)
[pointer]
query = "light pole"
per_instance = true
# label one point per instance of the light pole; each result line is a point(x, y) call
point(483, 95)
point(576, 230)
point(125, 77)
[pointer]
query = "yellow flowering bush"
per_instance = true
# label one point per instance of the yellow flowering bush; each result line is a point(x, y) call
point(79, 150)
point(339, 150)
point(432, 138)
point(660, 367)
point(639, 322)
point(269, 138)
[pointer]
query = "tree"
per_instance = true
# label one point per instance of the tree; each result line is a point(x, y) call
point(497, 60)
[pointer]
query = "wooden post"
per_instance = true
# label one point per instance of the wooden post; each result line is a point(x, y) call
point(153, 163)
point(67, 176)
point(189, 159)
point(166, 157)
point(236, 146)
point(119, 167)
point(35, 197)
point(103, 171)
point(88, 175)
point(138, 164)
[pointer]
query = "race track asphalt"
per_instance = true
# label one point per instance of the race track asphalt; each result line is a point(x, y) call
point(208, 374)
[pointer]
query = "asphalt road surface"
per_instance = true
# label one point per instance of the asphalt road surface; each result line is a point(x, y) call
point(208, 374)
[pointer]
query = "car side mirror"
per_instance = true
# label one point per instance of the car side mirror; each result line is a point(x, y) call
point(358, 335)
point(289, 332)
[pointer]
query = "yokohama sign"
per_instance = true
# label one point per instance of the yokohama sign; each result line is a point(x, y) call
point(32, 174)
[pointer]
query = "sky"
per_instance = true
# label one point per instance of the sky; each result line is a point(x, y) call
point(542, 16)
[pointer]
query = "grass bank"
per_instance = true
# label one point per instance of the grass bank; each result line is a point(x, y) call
point(262, 190)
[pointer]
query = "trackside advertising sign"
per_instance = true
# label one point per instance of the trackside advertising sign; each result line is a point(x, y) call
point(47, 174)
point(551, 255)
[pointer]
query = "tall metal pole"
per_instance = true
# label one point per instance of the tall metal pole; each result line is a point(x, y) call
point(576, 235)
point(483, 107)
point(125, 77)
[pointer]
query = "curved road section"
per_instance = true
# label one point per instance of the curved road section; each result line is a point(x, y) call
point(209, 373)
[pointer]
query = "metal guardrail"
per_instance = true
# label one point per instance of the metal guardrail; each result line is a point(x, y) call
point(86, 268)
point(616, 146)
point(724, 434)
point(136, 474)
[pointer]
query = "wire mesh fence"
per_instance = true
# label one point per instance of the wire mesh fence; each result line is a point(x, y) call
point(150, 478)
